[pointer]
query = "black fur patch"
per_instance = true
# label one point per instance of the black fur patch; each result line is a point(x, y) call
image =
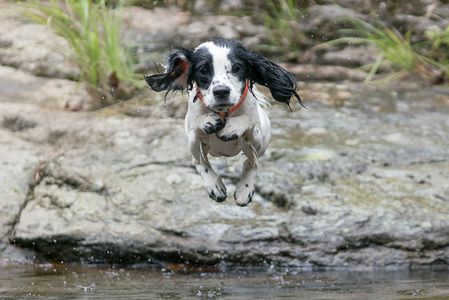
point(178, 67)
point(281, 83)
point(226, 43)
point(216, 197)
point(210, 127)
point(226, 138)
point(202, 70)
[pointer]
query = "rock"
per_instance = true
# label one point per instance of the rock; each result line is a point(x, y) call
point(12, 255)
point(159, 30)
point(386, 9)
point(159, 24)
point(359, 179)
point(17, 169)
point(439, 11)
point(19, 86)
point(349, 56)
point(325, 73)
point(154, 105)
point(231, 5)
point(230, 27)
point(33, 48)
point(419, 24)
point(202, 7)
point(162, 28)
point(359, 184)
point(361, 6)
point(16, 175)
point(324, 21)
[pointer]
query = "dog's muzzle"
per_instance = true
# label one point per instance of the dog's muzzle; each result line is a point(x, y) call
point(227, 109)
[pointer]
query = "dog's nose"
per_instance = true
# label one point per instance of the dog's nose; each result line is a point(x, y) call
point(221, 92)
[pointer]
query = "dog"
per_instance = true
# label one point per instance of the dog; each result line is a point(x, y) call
point(225, 114)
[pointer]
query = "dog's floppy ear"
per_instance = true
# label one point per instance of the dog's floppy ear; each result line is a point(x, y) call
point(176, 76)
point(281, 83)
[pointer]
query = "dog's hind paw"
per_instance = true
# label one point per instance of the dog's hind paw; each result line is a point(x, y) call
point(218, 193)
point(244, 194)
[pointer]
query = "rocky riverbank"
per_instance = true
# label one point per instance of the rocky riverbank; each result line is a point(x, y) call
point(358, 179)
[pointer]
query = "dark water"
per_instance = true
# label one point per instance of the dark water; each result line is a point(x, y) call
point(74, 282)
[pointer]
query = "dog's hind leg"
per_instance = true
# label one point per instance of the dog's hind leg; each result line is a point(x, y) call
point(199, 150)
point(250, 143)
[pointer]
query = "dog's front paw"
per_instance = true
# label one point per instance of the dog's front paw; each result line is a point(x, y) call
point(234, 128)
point(244, 193)
point(217, 192)
point(213, 125)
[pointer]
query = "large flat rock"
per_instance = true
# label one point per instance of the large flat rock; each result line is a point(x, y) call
point(358, 179)
point(17, 86)
point(16, 173)
point(31, 47)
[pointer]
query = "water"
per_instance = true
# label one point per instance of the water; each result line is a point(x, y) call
point(75, 282)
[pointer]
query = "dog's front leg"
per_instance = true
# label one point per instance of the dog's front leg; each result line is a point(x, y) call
point(198, 146)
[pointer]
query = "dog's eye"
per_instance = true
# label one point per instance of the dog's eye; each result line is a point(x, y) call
point(236, 68)
point(204, 70)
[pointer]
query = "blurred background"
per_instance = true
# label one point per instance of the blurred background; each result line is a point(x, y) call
point(94, 167)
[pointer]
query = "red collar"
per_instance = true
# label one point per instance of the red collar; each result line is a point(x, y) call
point(224, 114)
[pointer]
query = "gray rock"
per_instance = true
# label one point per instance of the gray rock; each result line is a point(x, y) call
point(359, 179)
point(31, 47)
point(153, 32)
point(358, 182)
point(203, 7)
point(350, 56)
point(387, 8)
point(325, 20)
point(231, 5)
point(419, 24)
point(19, 159)
point(326, 72)
point(232, 27)
point(16, 175)
point(19, 86)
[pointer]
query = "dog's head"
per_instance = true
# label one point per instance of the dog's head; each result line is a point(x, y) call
point(220, 70)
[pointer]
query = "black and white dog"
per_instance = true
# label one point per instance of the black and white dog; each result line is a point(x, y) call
point(225, 112)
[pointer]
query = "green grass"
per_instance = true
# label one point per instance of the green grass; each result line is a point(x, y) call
point(93, 32)
point(439, 39)
point(284, 35)
point(395, 51)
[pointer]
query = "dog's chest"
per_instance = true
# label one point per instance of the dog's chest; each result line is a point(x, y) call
point(218, 147)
